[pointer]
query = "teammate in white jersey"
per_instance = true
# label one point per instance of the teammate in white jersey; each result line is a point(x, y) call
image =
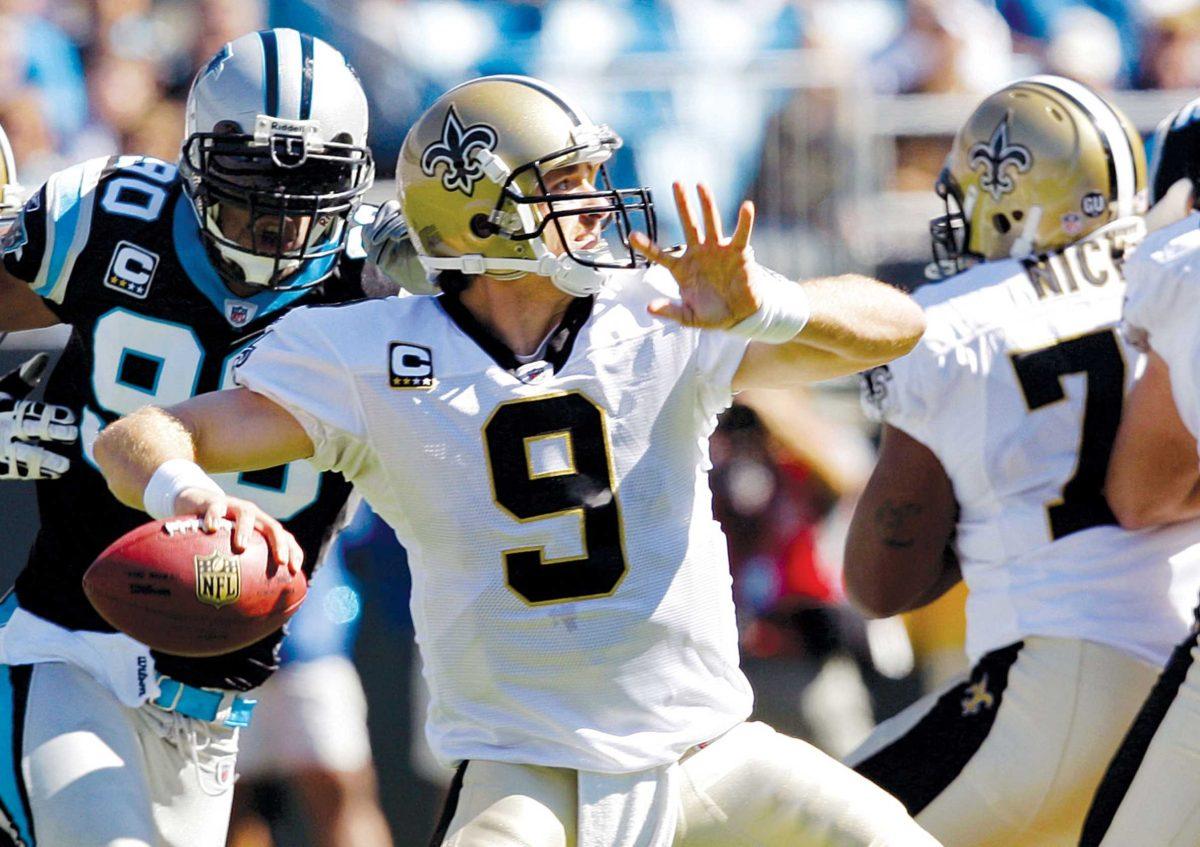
point(997, 432)
point(538, 437)
point(1151, 792)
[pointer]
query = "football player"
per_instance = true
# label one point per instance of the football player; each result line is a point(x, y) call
point(29, 431)
point(1151, 792)
point(538, 437)
point(997, 430)
point(166, 273)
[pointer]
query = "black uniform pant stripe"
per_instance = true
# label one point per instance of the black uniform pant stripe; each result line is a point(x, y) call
point(919, 765)
point(449, 808)
point(1129, 756)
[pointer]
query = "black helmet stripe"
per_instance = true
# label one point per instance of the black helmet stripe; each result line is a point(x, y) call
point(306, 75)
point(1118, 149)
point(270, 71)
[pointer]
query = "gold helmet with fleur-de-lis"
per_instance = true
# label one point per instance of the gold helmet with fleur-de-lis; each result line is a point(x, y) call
point(472, 183)
point(1040, 164)
point(11, 196)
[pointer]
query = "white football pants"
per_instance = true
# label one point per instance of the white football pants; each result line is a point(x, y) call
point(94, 773)
point(753, 787)
point(1012, 755)
point(1151, 793)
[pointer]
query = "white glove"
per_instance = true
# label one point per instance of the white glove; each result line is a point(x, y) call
point(389, 248)
point(26, 425)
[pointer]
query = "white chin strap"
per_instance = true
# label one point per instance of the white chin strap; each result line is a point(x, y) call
point(567, 275)
point(1023, 246)
point(256, 270)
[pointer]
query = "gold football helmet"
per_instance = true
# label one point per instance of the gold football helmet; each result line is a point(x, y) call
point(1042, 163)
point(472, 184)
point(11, 196)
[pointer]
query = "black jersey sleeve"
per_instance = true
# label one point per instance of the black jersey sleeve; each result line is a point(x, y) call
point(52, 232)
point(24, 245)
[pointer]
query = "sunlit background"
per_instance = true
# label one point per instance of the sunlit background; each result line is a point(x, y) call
point(832, 115)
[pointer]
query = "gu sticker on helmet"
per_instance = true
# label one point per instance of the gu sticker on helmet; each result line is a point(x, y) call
point(1093, 204)
point(455, 152)
point(998, 157)
point(410, 366)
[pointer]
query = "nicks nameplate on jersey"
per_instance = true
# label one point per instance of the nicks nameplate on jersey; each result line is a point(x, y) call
point(131, 270)
point(410, 366)
point(218, 579)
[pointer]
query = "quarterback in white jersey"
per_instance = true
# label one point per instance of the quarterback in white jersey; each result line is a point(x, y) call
point(1151, 792)
point(998, 428)
point(538, 437)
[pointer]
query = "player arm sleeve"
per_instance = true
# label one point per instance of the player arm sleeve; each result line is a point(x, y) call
point(895, 394)
point(1161, 312)
point(51, 231)
point(295, 365)
point(718, 357)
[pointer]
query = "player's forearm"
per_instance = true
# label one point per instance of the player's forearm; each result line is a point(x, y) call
point(855, 324)
point(20, 308)
point(129, 450)
point(1146, 486)
point(860, 320)
point(1153, 476)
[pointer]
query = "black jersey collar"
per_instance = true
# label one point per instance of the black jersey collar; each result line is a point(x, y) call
point(558, 348)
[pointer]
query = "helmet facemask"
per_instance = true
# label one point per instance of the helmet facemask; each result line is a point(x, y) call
point(622, 208)
point(950, 234)
point(524, 215)
point(287, 184)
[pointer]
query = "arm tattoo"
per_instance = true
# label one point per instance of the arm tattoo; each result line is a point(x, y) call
point(894, 522)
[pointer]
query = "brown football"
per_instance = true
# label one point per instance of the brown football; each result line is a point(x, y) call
point(181, 590)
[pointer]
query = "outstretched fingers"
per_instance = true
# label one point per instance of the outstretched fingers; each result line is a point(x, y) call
point(745, 225)
point(642, 243)
point(712, 220)
point(673, 310)
point(691, 235)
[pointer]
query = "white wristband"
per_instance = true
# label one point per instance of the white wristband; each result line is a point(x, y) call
point(168, 480)
point(782, 313)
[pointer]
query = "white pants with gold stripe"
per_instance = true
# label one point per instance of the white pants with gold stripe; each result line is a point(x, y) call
point(753, 787)
point(1013, 754)
point(1150, 796)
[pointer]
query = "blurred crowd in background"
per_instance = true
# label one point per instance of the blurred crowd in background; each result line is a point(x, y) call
point(791, 102)
point(785, 101)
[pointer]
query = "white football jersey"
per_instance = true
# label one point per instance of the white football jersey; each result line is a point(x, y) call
point(571, 590)
point(1163, 308)
point(1017, 388)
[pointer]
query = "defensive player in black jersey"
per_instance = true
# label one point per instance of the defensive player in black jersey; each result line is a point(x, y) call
point(166, 273)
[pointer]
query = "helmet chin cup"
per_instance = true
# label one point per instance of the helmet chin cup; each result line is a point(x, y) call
point(261, 271)
point(570, 276)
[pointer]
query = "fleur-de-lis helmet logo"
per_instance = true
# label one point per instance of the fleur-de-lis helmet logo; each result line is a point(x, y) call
point(455, 152)
point(999, 160)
